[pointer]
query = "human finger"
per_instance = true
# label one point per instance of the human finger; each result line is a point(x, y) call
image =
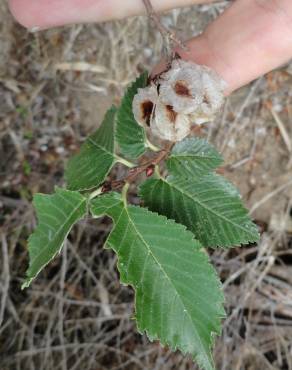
point(41, 14)
point(249, 39)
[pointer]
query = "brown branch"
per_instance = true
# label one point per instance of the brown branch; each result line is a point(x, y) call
point(133, 173)
point(168, 37)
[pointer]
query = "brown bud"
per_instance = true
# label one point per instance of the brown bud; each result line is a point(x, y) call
point(150, 170)
point(106, 187)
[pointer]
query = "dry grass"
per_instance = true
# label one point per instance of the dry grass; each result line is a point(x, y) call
point(54, 88)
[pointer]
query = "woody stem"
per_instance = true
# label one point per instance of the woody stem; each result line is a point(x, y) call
point(133, 173)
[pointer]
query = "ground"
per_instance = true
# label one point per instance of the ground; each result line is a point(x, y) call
point(76, 314)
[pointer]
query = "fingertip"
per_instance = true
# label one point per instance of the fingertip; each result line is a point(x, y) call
point(44, 14)
point(20, 14)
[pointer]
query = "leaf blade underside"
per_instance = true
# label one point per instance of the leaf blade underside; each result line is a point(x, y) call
point(172, 277)
point(56, 213)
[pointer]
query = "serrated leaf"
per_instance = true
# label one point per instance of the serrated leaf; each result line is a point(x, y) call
point(208, 206)
point(96, 158)
point(56, 213)
point(129, 135)
point(178, 295)
point(193, 157)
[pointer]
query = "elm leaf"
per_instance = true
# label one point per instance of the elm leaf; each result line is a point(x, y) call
point(193, 157)
point(178, 294)
point(209, 206)
point(56, 213)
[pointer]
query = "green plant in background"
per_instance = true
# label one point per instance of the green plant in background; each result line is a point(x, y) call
point(160, 244)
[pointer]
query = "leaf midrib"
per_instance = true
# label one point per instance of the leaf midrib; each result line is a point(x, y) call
point(94, 143)
point(176, 156)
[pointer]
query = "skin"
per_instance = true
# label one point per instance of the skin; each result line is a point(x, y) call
point(250, 38)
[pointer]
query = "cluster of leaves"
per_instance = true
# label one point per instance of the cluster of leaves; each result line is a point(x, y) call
point(160, 246)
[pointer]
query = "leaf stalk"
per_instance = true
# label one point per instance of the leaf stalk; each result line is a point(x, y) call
point(125, 162)
point(125, 192)
point(95, 193)
point(151, 146)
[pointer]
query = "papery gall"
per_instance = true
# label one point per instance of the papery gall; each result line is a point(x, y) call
point(213, 88)
point(199, 118)
point(181, 87)
point(192, 89)
point(168, 124)
point(143, 104)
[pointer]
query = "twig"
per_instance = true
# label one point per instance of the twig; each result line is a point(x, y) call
point(61, 306)
point(6, 278)
point(80, 67)
point(169, 38)
point(133, 173)
point(282, 129)
point(269, 196)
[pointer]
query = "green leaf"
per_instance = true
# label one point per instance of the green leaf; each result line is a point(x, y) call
point(90, 167)
point(178, 294)
point(193, 157)
point(208, 206)
point(56, 214)
point(129, 135)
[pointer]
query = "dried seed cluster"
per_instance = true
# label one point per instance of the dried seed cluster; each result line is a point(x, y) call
point(187, 94)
